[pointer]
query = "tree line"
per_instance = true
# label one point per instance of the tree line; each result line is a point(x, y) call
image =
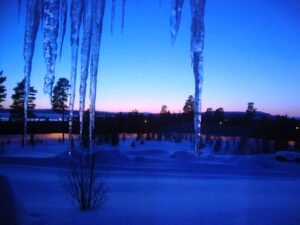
point(214, 122)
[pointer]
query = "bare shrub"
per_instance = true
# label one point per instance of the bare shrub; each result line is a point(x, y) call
point(84, 181)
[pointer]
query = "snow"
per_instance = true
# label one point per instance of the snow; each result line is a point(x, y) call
point(12, 210)
point(161, 182)
point(288, 156)
point(152, 199)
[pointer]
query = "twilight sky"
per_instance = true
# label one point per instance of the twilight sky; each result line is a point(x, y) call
point(252, 53)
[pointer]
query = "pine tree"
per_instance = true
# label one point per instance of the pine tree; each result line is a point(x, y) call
point(189, 105)
point(219, 115)
point(17, 108)
point(164, 110)
point(2, 89)
point(60, 98)
point(250, 112)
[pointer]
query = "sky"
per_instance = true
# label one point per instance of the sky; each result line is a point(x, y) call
point(252, 54)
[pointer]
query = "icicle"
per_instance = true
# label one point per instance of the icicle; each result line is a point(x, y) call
point(112, 20)
point(19, 8)
point(50, 30)
point(123, 13)
point(76, 19)
point(41, 9)
point(85, 57)
point(63, 22)
point(98, 25)
point(31, 29)
point(197, 46)
point(176, 9)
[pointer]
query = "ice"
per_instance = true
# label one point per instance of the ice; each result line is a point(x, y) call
point(197, 46)
point(19, 8)
point(31, 29)
point(63, 22)
point(99, 10)
point(41, 11)
point(76, 20)
point(197, 28)
point(54, 15)
point(176, 10)
point(113, 12)
point(85, 56)
point(50, 30)
point(123, 13)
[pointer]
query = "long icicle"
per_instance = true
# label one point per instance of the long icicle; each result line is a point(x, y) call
point(197, 47)
point(31, 29)
point(98, 25)
point(176, 9)
point(112, 19)
point(41, 10)
point(50, 30)
point(19, 8)
point(85, 57)
point(123, 14)
point(76, 20)
point(63, 22)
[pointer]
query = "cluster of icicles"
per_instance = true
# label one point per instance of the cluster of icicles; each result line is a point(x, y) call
point(87, 17)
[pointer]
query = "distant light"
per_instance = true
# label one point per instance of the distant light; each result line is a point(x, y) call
point(145, 121)
point(297, 128)
point(220, 123)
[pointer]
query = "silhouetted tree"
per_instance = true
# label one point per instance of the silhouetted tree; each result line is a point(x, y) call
point(189, 105)
point(60, 98)
point(219, 115)
point(164, 110)
point(2, 89)
point(17, 108)
point(250, 112)
point(208, 115)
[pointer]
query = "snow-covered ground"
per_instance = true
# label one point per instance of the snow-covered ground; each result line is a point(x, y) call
point(159, 183)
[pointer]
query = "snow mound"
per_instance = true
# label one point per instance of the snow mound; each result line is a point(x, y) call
point(287, 156)
point(151, 152)
point(142, 159)
point(112, 156)
point(12, 210)
point(183, 155)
